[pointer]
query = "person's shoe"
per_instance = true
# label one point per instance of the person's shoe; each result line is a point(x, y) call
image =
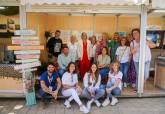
point(89, 103)
point(98, 104)
point(125, 85)
point(67, 104)
point(84, 109)
point(133, 85)
point(106, 102)
point(114, 101)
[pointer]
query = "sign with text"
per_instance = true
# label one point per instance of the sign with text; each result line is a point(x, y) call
point(27, 61)
point(27, 52)
point(29, 70)
point(27, 65)
point(41, 47)
point(25, 32)
point(26, 56)
point(25, 42)
point(25, 38)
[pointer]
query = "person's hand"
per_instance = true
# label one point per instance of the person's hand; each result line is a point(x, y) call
point(50, 91)
point(49, 54)
point(54, 94)
point(101, 65)
point(134, 50)
point(108, 90)
point(92, 94)
point(79, 90)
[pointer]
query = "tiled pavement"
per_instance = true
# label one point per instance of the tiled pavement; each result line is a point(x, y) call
point(125, 106)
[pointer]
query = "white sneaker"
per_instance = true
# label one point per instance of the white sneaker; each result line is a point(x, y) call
point(67, 104)
point(84, 109)
point(114, 101)
point(125, 85)
point(106, 102)
point(98, 104)
point(89, 103)
point(133, 85)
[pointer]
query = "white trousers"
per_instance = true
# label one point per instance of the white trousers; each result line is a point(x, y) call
point(72, 93)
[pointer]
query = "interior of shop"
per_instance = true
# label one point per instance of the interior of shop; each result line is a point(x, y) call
point(92, 24)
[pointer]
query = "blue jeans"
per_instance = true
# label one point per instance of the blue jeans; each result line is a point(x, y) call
point(124, 69)
point(115, 92)
point(61, 72)
point(43, 94)
point(104, 72)
point(146, 71)
point(98, 94)
point(103, 86)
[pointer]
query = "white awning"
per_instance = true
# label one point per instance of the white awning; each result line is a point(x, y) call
point(158, 4)
point(92, 2)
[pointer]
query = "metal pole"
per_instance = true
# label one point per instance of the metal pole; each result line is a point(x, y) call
point(22, 10)
point(143, 25)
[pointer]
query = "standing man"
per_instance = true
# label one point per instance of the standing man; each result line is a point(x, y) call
point(50, 84)
point(84, 54)
point(113, 45)
point(54, 47)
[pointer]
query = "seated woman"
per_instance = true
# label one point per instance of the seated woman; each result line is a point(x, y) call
point(114, 85)
point(103, 62)
point(92, 81)
point(71, 88)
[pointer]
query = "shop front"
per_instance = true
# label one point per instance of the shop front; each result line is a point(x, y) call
point(95, 18)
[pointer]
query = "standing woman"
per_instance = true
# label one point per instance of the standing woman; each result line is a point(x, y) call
point(84, 54)
point(92, 90)
point(103, 62)
point(93, 49)
point(135, 50)
point(123, 56)
point(101, 44)
point(72, 45)
point(71, 88)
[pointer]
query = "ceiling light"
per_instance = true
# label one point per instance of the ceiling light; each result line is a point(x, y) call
point(2, 7)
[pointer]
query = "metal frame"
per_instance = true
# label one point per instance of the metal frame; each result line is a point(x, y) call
point(86, 9)
point(96, 9)
point(143, 26)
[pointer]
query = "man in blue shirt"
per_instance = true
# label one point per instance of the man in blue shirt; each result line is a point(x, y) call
point(50, 83)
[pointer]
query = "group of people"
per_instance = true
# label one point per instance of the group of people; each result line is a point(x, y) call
point(51, 83)
point(102, 65)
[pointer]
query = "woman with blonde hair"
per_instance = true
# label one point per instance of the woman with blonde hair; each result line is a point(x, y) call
point(114, 84)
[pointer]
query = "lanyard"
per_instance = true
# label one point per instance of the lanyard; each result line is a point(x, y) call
point(50, 79)
point(72, 78)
